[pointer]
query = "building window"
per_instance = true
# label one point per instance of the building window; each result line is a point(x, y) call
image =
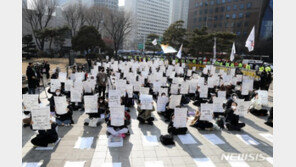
point(223, 1)
point(227, 16)
point(239, 24)
point(206, 3)
point(228, 8)
point(196, 4)
point(249, 5)
point(238, 33)
point(215, 25)
point(205, 18)
point(233, 15)
point(200, 12)
point(221, 17)
point(222, 9)
point(200, 4)
point(241, 6)
point(200, 19)
point(212, 2)
point(210, 11)
point(218, 1)
point(206, 11)
point(215, 18)
point(216, 9)
point(228, 0)
point(247, 14)
point(234, 7)
point(240, 15)
point(246, 24)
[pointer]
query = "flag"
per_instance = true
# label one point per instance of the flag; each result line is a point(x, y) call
point(250, 43)
point(179, 54)
point(232, 52)
point(154, 42)
point(167, 49)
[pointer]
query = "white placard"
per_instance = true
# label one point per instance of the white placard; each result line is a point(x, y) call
point(41, 118)
point(62, 76)
point(184, 88)
point(146, 102)
point(76, 95)
point(117, 115)
point(129, 90)
point(222, 94)
point(114, 98)
point(54, 85)
point(263, 97)
point(180, 117)
point(161, 103)
point(175, 100)
point(68, 85)
point(30, 102)
point(60, 104)
point(91, 104)
point(79, 76)
point(174, 89)
point(144, 90)
point(203, 91)
point(242, 107)
point(218, 105)
point(206, 112)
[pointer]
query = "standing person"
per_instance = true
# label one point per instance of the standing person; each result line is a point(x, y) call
point(32, 78)
point(102, 80)
point(89, 64)
point(45, 72)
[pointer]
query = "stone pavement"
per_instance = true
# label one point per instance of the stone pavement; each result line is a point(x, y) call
point(135, 154)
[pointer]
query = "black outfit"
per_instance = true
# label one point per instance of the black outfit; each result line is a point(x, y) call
point(176, 131)
point(46, 136)
point(32, 83)
point(232, 120)
point(67, 116)
point(270, 118)
point(45, 69)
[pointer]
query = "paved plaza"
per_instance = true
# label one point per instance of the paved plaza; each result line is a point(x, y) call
point(136, 152)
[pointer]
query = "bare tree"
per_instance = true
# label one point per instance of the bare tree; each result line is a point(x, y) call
point(94, 16)
point(38, 15)
point(118, 25)
point(72, 17)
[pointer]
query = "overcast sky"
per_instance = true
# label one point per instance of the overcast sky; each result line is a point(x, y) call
point(121, 3)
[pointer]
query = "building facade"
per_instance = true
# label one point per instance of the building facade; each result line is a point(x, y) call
point(149, 16)
point(237, 16)
point(110, 4)
point(179, 11)
point(266, 27)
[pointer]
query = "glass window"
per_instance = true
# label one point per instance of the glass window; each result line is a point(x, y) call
point(215, 25)
point(200, 19)
point(241, 6)
point(215, 17)
point(206, 3)
point(218, 1)
point(239, 24)
point(247, 14)
point(249, 5)
point(240, 15)
point(234, 7)
point(200, 12)
point(223, 1)
point(205, 18)
point(228, 0)
point(216, 9)
point(221, 17)
point(233, 15)
point(238, 33)
point(206, 11)
point(227, 16)
point(211, 11)
point(212, 2)
point(200, 4)
point(196, 4)
point(228, 8)
point(222, 9)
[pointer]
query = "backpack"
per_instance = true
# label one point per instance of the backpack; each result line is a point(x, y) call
point(167, 139)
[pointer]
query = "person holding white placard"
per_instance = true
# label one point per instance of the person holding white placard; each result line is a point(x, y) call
point(120, 130)
point(65, 119)
point(94, 118)
point(256, 106)
point(177, 126)
point(232, 120)
point(45, 137)
point(201, 124)
point(162, 102)
point(145, 109)
point(58, 92)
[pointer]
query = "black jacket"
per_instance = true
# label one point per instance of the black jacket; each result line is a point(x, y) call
point(32, 83)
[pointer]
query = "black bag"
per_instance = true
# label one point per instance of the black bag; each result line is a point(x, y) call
point(167, 139)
